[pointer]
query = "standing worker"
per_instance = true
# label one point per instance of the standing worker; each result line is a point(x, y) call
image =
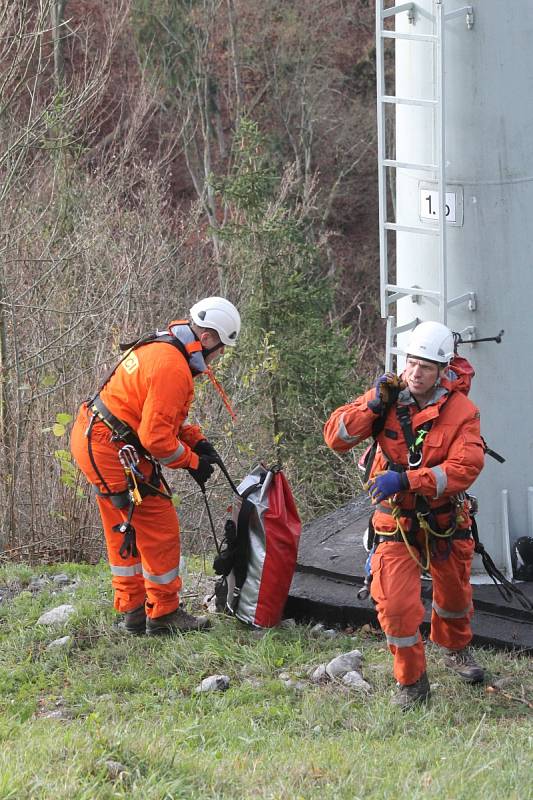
point(131, 426)
point(429, 452)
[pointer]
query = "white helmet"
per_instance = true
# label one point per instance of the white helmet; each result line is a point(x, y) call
point(220, 315)
point(431, 341)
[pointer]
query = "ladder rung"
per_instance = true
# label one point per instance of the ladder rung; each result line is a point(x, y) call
point(390, 162)
point(393, 10)
point(393, 226)
point(408, 101)
point(410, 290)
point(414, 37)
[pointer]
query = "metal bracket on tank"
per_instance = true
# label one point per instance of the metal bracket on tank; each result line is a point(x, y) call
point(468, 11)
point(468, 297)
point(467, 334)
point(415, 298)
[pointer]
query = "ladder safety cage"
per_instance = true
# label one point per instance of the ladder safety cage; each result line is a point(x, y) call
point(391, 293)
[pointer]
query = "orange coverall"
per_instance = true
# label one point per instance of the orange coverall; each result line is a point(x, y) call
point(151, 390)
point(452, 458)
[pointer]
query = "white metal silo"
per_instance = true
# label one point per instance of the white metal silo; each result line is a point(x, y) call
point(463, 98)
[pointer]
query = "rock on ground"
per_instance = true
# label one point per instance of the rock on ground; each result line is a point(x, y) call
point(355, 680)
point(56, 616)
point(214, 683)
point(57, 643)
point(344, 663)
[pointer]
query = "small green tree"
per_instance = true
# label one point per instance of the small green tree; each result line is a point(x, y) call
point(296, 363)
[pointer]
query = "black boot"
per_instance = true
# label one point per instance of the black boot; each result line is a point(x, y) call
point(134, 622)
point(415, 693)
point(463, 663)
point(178, 621)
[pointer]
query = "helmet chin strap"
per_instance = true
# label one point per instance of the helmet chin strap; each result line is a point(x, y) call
point(206, 351)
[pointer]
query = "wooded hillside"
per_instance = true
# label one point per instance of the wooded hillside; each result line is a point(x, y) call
point(157, 151)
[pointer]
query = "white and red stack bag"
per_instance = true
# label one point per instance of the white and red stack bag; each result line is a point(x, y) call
point(268, 531)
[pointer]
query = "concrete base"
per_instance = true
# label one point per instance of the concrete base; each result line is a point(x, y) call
point(330, 571)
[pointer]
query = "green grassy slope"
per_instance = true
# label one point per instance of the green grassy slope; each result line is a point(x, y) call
point(106, 697)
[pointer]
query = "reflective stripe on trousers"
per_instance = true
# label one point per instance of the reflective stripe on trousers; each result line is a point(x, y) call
point(442, 612)
point(403, 641)
point(153, 575)
point(126, 572)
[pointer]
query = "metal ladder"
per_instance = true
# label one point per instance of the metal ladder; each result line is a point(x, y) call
point(391, 293)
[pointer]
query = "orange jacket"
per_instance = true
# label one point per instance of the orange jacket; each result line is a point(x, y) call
point(152, 390)
point(452, 453)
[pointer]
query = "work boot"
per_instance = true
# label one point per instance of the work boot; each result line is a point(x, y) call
point(178, 621)
point(134, 621)
point(464, 664)
point(408, 696)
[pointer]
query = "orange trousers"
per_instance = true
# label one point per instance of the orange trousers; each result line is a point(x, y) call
point(396, 588)
point(151, 577)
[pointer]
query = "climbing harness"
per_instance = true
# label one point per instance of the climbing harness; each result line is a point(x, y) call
point(129, 458)
point(422, 515)
point(425, 518)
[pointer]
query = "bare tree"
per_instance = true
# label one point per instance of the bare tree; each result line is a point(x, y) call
point(57, 12)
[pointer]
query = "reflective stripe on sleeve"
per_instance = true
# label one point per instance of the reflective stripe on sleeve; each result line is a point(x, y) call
point(179, 451)
point(402, 641)
point(126, 572)
point(343, 434)
point(441, 612)
point(168, 577)
point(441, 480)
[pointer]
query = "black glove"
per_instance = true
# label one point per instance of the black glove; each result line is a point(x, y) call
point(203, 471)
point(205, 448)
point(224, 560)
point(388, 387)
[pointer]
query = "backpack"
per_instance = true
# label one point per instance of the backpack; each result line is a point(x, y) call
point(257, 557)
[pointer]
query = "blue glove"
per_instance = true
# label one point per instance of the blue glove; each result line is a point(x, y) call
point(387, 484)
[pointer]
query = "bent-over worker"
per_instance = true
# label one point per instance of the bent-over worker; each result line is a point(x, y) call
point(132, 425)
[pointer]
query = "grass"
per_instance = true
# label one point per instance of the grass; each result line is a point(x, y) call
point(132, 700)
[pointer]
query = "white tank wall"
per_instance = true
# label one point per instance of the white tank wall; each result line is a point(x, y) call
point(489, 142)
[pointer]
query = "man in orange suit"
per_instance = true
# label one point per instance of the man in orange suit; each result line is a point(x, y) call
point(429, 452)
point(135, 423)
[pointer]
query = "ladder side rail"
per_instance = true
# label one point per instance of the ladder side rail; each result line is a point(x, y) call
point(389, 336)
point(382, 169)
point(441, 159)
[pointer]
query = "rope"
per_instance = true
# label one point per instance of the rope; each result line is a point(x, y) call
point(425, 527)
point(396, 513)
point(218, 386)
